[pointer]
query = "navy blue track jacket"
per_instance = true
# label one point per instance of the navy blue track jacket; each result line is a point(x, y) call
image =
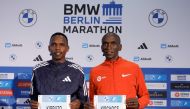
point(50, 78)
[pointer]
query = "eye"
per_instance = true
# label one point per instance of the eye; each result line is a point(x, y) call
point(63, 44)
point(104, 44)
point(53, 44)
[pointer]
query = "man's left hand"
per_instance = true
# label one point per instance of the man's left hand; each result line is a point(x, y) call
point(75, 104)
point(132, 103)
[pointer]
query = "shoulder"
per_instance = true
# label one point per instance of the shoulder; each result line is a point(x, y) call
point(97, 69)
point(75, 66)
point(99, 66)
point(41, 65)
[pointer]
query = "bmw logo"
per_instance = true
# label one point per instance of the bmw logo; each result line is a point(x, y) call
point(39, 44)
point(89, 58)
point(12, 57)
point(169, 58)
point(27, 17)
point(158, 18)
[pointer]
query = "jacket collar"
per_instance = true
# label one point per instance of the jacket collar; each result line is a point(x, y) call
point(115, 61)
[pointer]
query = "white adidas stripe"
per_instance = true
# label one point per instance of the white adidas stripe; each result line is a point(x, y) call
point(41, 65)
point(76, 66)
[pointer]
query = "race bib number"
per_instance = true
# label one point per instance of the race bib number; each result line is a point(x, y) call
point(54, 101)
point(110, 101)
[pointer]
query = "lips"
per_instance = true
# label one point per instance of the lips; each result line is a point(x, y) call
point(57, 53)
point(108, 52)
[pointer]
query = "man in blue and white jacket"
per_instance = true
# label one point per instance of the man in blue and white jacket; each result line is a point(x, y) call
point(59, 76)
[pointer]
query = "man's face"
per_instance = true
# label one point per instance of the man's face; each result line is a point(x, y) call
point(111, 47)
point(58, 48)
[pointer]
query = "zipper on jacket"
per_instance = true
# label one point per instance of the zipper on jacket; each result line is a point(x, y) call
point(113, 72)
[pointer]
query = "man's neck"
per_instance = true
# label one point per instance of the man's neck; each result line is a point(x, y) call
point(113, 59)
point(59, 61)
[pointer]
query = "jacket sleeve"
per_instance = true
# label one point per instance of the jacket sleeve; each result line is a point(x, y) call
point(82, 91)
point(92, 89)
point(33, 90)
point(142, 92)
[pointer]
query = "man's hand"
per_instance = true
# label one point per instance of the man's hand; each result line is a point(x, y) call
point(75, 104)
point(89, 106)
point(34, 104)
point(132, 103)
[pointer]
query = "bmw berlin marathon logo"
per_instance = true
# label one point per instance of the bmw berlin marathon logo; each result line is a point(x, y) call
point(27, 17)
point(158, 18)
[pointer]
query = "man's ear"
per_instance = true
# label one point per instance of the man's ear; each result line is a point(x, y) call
point(102, 47)
point(120, 47)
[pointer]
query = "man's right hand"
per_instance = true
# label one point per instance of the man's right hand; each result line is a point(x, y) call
point(89, 106)
point(34, 104)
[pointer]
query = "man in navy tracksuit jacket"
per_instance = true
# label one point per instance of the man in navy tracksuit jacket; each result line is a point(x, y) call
point(59, 76)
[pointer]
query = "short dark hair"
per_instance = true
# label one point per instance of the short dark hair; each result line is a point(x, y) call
point(58, 33)
point(112, 34)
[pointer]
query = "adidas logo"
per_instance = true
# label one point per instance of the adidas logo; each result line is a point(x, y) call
point(38, 58)
point(67, 79)
point(143, 46)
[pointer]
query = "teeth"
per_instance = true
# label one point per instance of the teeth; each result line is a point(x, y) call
point(57, 53)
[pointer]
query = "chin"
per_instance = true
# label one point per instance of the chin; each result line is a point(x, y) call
point(109, 57)
point(57, 58)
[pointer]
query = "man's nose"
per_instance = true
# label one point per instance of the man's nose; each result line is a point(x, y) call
point(109, 46)
point(57, 47)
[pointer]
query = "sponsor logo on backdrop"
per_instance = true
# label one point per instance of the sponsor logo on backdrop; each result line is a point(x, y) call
point(12, 57)
point(6, 75)
point(6, 84)
point(168, 58)
point(181, 86)
point(6, 107)
point(163, 45)
point(156, 85)
point(158, 18)
point(158, 94)
point(180, 77)
point(180, 103)
point(38, 44)
point(6, 92)
point(137, 58)
point(25, 101)
point(89, 58)
point(161, 103)
point(27, 17)
point(24, 92)
point(69, 58)
point(9, 45)
point(177, 94)
point(38, 58)
point(86, 45)
point(143, 46)
point(23, 107)
point(27, 76)
point(93, 18)
point(23, 84)
point(6, 100)
point(155, 77)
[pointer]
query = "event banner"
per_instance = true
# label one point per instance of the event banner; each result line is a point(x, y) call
point(54, 101)
point(110, 101)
